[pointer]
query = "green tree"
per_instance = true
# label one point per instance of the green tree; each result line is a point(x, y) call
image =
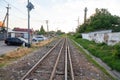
point(101, 20)
point(42, 31)
point(59, 32)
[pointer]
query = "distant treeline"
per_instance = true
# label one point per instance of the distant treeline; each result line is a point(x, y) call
point(101, 20)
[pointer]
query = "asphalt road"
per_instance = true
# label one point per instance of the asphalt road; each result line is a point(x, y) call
point(4, 48)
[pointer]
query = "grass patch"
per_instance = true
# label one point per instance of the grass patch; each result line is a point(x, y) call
point(9, 57)
point(42, 43)
point(2, 64)
point(13, 55)
point(108, 54)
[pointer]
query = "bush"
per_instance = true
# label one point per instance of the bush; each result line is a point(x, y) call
point(78, 35)
point(117, 50)
point(102, 44)
point(108, 54)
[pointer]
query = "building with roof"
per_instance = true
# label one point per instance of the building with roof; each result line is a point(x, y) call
point(20, 32)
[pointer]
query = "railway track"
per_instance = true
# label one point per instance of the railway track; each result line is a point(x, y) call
point(64, 62)
point(53, 65)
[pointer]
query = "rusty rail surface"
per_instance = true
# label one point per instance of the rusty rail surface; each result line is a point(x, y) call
point(66, 61)
point(70, 63)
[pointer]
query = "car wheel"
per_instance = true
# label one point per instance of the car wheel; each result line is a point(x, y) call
point(8, 43)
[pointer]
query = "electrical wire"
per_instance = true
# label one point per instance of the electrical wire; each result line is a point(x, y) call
point(5, 1)
point(15, 8)
point(21, 18)
point(2, 5)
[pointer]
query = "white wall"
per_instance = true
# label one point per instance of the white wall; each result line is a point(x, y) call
point(103, 36)
point(12, 34)
point(113, 38)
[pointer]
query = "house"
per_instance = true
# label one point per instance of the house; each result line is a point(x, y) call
point(21, 32)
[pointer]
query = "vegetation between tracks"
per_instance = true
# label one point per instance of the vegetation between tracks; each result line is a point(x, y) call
point(9, 57)
point(108, 54)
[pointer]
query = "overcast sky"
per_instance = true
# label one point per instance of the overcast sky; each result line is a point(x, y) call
point(61, 14)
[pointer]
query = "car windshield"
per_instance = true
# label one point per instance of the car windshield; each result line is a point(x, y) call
point(23, 39)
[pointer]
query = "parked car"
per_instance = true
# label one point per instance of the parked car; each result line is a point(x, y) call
point(16, 41)
point(38, 39)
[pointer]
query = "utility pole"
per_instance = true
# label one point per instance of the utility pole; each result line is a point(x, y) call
point(28, 26)
point(7, 14)
point(30, 6)
point(85, 15)
point(78, 21)
point(47, 27)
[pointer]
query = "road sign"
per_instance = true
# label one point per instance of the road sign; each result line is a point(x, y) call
point(30, 6)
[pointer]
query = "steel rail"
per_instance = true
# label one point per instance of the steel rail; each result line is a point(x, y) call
point(34, 67)
point(70, 62)
point(66, 61)
point(56, 63)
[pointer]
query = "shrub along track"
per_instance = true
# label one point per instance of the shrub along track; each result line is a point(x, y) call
point(82, 68)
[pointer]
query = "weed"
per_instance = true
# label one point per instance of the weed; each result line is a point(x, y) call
point(108, 54)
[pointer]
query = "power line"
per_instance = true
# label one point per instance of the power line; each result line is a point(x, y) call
point(5, 1)
point(18, 9)
point(15, 7)
point(19, 18)
point(2, 5)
